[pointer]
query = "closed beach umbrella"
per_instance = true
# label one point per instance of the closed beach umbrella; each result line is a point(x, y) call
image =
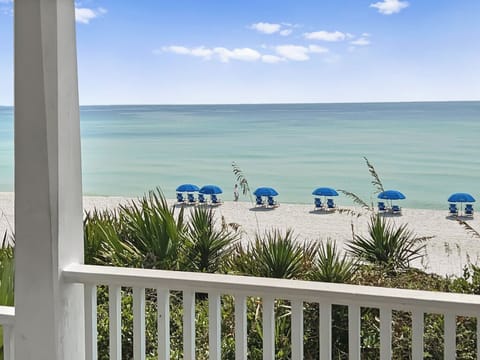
point(391, 195)
point(265, 191)
point(210, 190)
point(324, 191)
point(187, 188)
point(461, 198)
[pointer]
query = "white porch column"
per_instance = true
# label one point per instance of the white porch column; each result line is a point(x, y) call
point(49, 323)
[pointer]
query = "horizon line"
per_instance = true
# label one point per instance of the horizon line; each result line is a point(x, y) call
point(282, 103)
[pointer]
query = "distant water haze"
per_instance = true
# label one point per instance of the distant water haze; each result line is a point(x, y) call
point(425, 150)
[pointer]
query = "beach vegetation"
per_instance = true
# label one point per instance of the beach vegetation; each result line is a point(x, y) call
point(7, 270)
point(331, 266)
point(152, 228)
point(273, 254)
point(241, 180)
point(149, 233)
point(207, 247)
point(390, 247)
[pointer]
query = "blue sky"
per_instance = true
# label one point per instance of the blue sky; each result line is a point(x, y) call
point(257, 51)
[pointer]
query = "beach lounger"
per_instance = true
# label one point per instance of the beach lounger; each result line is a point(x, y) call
point(330, 204)
point(381, 207)
point(396, 210)
point(180, 198)
point(452, 209)
point(259, 201)
point(191, 199)
point(215, 200)
point(201, 199)
point(318, 204)
point(469, 210)
point(271, 202)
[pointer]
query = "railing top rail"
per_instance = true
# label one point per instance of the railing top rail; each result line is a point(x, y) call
point(7, 315)
point(283, 289)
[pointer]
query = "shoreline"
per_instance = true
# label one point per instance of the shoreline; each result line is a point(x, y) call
point(446, 254)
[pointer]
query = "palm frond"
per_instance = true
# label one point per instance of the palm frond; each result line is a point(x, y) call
point(469, 228)
point(376, 182)
point(356, 199)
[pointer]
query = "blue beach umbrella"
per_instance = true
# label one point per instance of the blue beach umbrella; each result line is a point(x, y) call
point(391, 195)
point(210, 190)
point(265, 191)
point(324, 191)
point(461, 198)
point(187, 188)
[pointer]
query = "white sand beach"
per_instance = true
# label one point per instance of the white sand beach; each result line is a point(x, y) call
point(451, 248)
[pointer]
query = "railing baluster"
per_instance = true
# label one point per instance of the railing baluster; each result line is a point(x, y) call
point(385, 333)
point(8, 345)
point(138, 323)
point(91, 322)
point(325, 310)
point(188, 325)
point(450, 341)
point(417, 334)
point(115, 312)
point(163, 305)
point(354, 332)
point(297, 330)
point(214, 326)
point(268, 328)
point(240, 327)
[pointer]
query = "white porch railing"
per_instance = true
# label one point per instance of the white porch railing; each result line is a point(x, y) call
point(355, 297)
point(7, 320)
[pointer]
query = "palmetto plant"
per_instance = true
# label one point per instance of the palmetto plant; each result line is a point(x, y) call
point(330, 266)
point(388, 246)
point(272, 254)
point(154, 230)
point(207, 246)
point(103, 242)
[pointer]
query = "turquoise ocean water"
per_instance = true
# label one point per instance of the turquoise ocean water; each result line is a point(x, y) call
point(426, 150)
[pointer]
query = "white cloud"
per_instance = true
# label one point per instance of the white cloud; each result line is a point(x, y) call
point(297, 52)
point(282, 53)
point(220, 53)
point(175, 49)
point(293, 52)
point(266, 28)
point(85, 15)
point(317, 49)
point(242, 54)
point(272, 59)
point(361, 42)
point(389, 7)
point(325, 35)
point(285, 32)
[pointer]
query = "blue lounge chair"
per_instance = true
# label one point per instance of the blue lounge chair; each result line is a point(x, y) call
point(215, 200)
point(191, 199)
point(271, 202)
point(396, 210)
point(318, 204)
point(381, 207)
point(469, 210)
point(180, 198)
point(452, 209)
point(259, 201)
point(201, 199)
point(330, 204)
